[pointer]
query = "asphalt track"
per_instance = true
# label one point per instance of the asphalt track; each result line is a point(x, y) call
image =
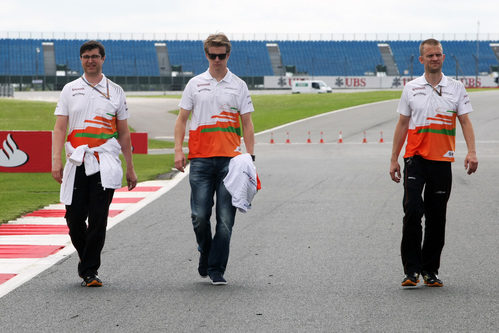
point(318, 252)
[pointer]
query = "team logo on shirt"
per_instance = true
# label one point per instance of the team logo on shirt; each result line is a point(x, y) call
point(449, 154)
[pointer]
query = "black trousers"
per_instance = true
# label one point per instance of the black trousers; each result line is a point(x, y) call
point(435, 178)
point(90, 201)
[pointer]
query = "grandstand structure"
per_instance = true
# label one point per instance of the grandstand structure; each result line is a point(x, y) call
point(48, 64)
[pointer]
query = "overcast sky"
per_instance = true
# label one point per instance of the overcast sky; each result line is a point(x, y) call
point(251, 16)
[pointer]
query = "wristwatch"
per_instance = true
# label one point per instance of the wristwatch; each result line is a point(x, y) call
point(253, 158)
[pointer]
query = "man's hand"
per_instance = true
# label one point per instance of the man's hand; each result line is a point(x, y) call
point(180, 160)
point(131, 179)
point(57, 170)
point(471, 162)
point(395, 171)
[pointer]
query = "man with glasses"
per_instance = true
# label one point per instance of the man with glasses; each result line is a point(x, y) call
point(219, 103)
point(95, 110)
point(428, 110)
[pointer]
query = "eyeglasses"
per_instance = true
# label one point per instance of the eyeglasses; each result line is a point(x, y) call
point(93, 56)
point(220, 56)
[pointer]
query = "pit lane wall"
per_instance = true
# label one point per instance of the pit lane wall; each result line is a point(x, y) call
point(370, 82)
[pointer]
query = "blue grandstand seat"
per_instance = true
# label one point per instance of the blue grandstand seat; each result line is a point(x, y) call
point(463, 51)
point(331, 57)
point(248, 58)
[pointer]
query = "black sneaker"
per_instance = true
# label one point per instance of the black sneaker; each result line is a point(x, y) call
point(410, 280)
point(217, 279)
point(203, 265)
point(91, 281)
point(432, 280)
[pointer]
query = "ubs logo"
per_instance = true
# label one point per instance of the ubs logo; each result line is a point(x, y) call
point(10, 154)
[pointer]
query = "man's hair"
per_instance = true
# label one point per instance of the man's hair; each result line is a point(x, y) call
point(217, 40)
point(430, 41)
point(93, 44)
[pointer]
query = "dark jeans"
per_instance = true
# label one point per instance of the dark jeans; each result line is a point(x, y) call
point(92, 201)
point(435, 178)
point(206, 179)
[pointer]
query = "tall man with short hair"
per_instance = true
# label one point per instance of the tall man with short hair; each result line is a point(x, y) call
point(95, 110)
point(217, 101)
point(428, 110)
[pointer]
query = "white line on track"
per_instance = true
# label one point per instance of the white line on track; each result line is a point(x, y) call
point(35, 240)
point(319, 116)
point(26, 269)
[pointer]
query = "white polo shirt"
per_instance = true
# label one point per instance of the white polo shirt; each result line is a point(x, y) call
point(92, 112)
point(433, 112)
point(215, 107)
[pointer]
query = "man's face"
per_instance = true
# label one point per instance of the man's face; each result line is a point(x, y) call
point(92, 62)
point(432, 58)
point(217, 63)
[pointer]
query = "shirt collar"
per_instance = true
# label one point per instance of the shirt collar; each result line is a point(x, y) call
point(101, 83)
point(227, 77)
point(443, 81)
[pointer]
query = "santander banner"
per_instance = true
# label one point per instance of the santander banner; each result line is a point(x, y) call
point(25, 151)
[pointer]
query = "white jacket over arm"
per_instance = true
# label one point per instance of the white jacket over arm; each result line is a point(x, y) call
point(109, 165)
point(241, 181)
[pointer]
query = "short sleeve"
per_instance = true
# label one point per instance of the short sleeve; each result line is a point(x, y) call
point(122, 111)
point(464, 104)
point(404, 107)
point(187, 101)
point(62, 104)
point(245, 103)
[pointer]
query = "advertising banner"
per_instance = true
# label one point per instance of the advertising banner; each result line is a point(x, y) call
point(370, 82)
point(139, 143)
point(25, 151)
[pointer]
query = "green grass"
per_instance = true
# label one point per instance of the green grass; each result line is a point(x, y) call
point(21, 193)
point(275, 110)
point(24, 192)
point(161, 144)
point(26, 115)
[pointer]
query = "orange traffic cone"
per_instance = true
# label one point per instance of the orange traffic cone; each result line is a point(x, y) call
point(381, 137)
point(272, 138)
point(287, 138)
point(309, 140)
point(340, 137)
point(364, 140)
point(322, 140)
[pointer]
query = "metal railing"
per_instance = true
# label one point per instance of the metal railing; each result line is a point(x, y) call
point(248, 36)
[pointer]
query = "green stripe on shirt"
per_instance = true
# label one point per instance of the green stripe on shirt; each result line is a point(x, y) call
point(97, 136)
point(222, 129)
point(441, 131)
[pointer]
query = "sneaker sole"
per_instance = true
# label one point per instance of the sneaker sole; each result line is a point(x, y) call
point(434, 284)
point(219, 283)
point(94, 284)
point(409, 283)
